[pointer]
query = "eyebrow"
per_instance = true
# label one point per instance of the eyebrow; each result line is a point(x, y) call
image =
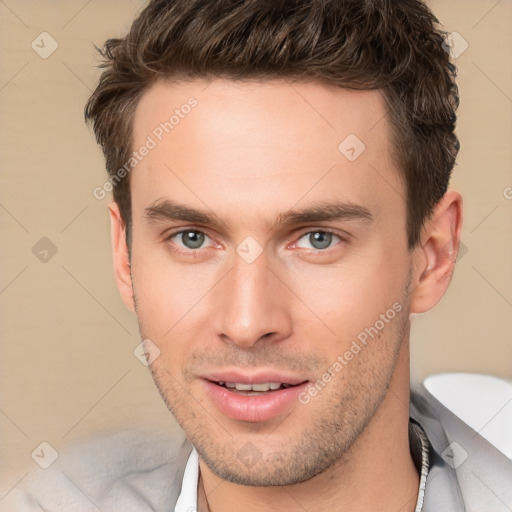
point(162, 210)
point(322, 212)
point(171, 210)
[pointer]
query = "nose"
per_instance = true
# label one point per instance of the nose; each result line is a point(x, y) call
point(252, 305)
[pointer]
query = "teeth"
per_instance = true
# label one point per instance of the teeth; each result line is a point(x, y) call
point(243, 387)
point(263, 386)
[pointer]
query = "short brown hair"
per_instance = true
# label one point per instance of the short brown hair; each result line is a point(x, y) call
point(392, 45)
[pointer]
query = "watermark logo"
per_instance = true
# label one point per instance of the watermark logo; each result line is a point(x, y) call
point(44, 250)
point(248, 455)
point(146, 352)
point(44, 45)
point(44, 455)
point(449, 251)
point(249, 249)
point(454, 455)
point(351, 147)
point(455, 45)
point(463, 250)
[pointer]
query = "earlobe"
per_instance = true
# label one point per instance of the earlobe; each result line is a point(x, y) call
point(121, 259)
point(434, 259)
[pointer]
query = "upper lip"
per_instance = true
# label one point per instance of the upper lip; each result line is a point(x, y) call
point(253, 377)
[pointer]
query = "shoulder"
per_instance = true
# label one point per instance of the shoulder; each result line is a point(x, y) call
point(473, 470)
point(132, 470)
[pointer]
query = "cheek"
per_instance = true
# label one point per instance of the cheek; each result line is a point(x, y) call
point(344, 299)
point(168, 295)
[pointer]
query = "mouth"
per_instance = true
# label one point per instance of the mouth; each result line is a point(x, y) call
point(253, 398)
point(254, 389)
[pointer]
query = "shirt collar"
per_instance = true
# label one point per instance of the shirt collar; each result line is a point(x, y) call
point(187, 501)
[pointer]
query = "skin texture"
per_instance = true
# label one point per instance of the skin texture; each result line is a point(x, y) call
point(246, 154)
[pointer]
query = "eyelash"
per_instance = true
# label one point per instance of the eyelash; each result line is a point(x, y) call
point(174, 234)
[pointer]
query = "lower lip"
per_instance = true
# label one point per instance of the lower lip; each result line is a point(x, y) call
point(253, 408)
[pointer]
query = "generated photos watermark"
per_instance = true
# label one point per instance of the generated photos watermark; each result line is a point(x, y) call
point(156, 136)
point(357, 345)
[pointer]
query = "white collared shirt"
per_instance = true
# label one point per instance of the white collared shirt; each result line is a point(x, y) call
point(187, 502)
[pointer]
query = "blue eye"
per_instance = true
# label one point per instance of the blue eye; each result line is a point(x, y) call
point(318, 240)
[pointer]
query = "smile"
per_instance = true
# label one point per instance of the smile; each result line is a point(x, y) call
point(254, 401)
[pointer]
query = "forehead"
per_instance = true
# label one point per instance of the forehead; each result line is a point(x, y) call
point(269, 142)
point(277, 107)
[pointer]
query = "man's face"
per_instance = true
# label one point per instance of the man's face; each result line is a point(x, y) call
point(300, 258)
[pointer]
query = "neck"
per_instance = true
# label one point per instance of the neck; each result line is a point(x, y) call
point(377, 474)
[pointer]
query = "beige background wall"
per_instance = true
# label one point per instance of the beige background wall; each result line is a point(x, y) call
point(67, 367)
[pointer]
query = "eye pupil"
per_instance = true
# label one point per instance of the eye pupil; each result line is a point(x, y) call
point(320, 239)
point(192, 239)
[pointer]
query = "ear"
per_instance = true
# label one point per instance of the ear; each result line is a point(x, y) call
point(122, 269)
point(434, 258)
